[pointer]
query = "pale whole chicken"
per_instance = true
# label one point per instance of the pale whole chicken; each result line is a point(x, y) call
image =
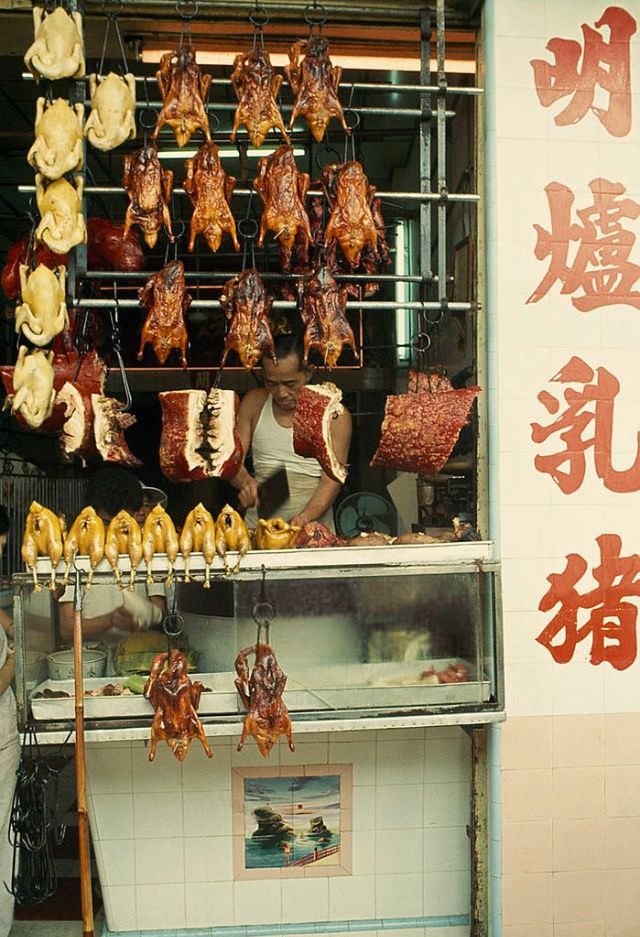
point(112, 119)
point(261, 693)
point(57, 147)
point(85, 537)
point(159, 536)
point(42, 314)
point(62, 224)
point(256, 86)
point(283, 191)
point(184, 90)
point(175, 700)
point(166, 300)
point(210, 188)
point(33, 391)
point(351, 223)
point(323, 310)
point(58, 48)
point(123, 537)
point(231, 534)
point(42, 537)
point(247, 306)
point(149, 188)
point(315, 83)
point(198, 536)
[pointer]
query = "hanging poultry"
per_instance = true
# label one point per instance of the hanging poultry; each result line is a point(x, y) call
point(164, 296)
point(33, 391)
point(123, 537)
point(62, 224)
point(175, 700)
point(57, 147)
point(283, 190)
point(231, 534)
point(256, 86)
point(42, 314)
point(184, 91)
point(376, 260)
point(42, 537)
point(85, 538)
point(149, 188)
point(198, 536)
point(58, 47)
point(351, 223)
point(159, 536)
point(210, 188)
point(323, 309)
point(112, 119)
point(247, 306)
point(261, 693)
point(315, 83)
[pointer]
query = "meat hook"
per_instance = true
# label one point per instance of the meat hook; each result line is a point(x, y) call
point(117, 348)
point(111, 16)
point(263, 610)
point(315, 14)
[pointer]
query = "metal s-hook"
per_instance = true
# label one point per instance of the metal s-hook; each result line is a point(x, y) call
point(315, 15)
point(117, 348)
point(111, 17)
point(263, 611)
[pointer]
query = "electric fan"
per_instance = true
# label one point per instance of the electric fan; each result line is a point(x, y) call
point(363, 512)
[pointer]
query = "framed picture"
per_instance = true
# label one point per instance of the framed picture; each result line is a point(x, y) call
point(292, 822)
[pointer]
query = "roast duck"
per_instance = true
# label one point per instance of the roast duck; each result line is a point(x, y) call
point(184, 91)
point(57, 50)
point(32, 385)
point(159, 536)
point(323, 306)
point(175, 700)
point(85, 537)
point(261, 693)
point(149, 188)
point(57, 148)
point(256, 86)
point(123, 537)
point(199, 438)
point(198, 536)
point(351, 223)
point(283, 191)
point(112, 118)
point(315, 83)
point(231, 534)
point(42, 537)
point(110, 420)
point(247, 306)
point(62, 225)
point(318, 405)
point(210, 188)
point(164, 294)
point(42, 314)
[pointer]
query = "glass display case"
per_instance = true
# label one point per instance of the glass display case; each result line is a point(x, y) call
point(373, 633)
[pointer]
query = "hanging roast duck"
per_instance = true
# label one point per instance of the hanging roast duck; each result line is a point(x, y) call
point(149, 188)
point(283, 190)
point(165, 296)
point(256, 86)
point(210, 188)
point(184, 90)
point(314, 82)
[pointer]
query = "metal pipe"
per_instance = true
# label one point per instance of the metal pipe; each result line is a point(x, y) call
point(365, 304)
point(223, 106)
point(441, 136)
point(425, 146)
point(218, 275)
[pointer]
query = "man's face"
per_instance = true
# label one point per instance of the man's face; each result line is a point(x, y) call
point(285, 380)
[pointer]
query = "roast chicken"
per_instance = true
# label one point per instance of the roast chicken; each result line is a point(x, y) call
point(123, 537)
point(42, 314)
point(33, 390)
point(159, 536)
point(231, 534)
point(315, 83)
point(57, 147)
point(175, 700)
point(57, 50)
point(85, 538)
point(184, 91)
point(247, 306)
point(198, 536)
point(351, 223)
point(283, 190)
point(323, 310)
point(26, 252)
point(261, 693)
point(276, 534)
point(164, 296)
point(62, 224)
point(112, 119)
point(210, 188)
point(149, 188)
point(42, 537)
point(256, 86)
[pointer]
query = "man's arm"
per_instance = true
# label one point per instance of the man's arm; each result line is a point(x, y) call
point(327, 490)
point(248, 413)
point(94, 628)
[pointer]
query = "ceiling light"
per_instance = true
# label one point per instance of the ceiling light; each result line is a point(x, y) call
point(226, 152)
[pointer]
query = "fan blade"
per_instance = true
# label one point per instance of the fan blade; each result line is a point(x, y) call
point(372, 505)
point(348, 521)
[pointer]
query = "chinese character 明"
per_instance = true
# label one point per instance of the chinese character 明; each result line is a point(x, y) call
point(604, 64)
point(585, 422)
point(611, 621)
point(589, 256)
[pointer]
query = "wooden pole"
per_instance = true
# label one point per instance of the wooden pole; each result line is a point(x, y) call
point(81, 794)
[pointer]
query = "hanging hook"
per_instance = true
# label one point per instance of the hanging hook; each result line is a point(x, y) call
point(111, 17)
point(117, 348)
point(315, 14)
point(263, 611)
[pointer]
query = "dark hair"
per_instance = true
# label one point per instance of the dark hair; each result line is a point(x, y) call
point(114, 488)
point(4, 521)
point(287, 344)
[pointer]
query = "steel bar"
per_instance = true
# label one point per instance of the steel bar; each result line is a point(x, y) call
point(365, 304)
point(441, 137)
point(425, 147)
point(218, 275)
point(400, 196)
point(218, 106)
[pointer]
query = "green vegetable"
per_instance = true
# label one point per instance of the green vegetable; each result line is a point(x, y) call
point(135, 682)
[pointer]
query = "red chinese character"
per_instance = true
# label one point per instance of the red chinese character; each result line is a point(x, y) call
point(586, 422)
point(604, 64)
point(599, 265)
point(611, 622)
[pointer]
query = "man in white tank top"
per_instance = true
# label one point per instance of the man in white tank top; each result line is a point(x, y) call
point(265, 424)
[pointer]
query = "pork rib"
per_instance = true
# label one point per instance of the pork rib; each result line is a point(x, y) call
point(317, 406)
point(109, 424)
point(77, 431)
point(199, 438)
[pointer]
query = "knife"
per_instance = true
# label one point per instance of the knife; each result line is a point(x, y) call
point(272, 493)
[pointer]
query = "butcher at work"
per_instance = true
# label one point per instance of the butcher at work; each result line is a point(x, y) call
point(265, 426)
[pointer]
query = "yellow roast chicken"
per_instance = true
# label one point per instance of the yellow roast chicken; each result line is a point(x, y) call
point(113, 107)
point(42, 537)
point(62, 225)
point(33, 390)
point(231, 534)
point(159, 536)
point(57, 147)
point(198, 536)
point(276, 534)
point(85, 538)
point(57, 50)
point(123, 537)
point(42, 314)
